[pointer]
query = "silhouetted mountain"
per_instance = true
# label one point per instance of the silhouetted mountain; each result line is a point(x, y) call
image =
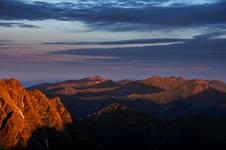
point(210, 101)
point(198, 132)
point(117, 127)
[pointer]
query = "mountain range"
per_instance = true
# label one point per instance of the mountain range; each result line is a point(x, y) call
point(101, 114)
point(164, 97)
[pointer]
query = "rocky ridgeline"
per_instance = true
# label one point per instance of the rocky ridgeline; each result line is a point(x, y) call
point(23, 112)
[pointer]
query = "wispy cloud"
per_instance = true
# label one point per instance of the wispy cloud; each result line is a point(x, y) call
point(5, 41)
point(18, 25)
point(211, 35)
point(197, 50)
point(122, 42)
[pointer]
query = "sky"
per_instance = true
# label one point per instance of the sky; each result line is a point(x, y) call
point(52, 40)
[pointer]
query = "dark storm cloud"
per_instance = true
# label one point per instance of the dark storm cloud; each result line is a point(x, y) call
point(20, 25)
point(113, 17)
point(18, 10)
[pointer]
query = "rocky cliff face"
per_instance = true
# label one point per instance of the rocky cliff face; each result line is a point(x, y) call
point(23, 112)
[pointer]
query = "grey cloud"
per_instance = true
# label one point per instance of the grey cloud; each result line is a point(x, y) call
point(115, 18)
point(197, 50)
point(210, 35)
point(132, 41)
point(20, 25)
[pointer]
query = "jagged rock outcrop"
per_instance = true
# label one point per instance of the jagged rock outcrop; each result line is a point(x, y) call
point(22, 112)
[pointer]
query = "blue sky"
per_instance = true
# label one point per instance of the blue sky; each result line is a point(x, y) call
point(109, 36)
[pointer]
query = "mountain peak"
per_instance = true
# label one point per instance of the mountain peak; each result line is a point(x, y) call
point(115, 106)
point(109, 109)
point(95, 78)
point(11, 80)
point(11, 83)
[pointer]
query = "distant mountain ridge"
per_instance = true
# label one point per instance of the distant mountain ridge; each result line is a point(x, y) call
point(168, 84)
point(162, 96)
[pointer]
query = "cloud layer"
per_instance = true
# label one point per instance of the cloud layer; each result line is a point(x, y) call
point(114, 17)
point(122, 42)
point(143, 22)
point(202, 49)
